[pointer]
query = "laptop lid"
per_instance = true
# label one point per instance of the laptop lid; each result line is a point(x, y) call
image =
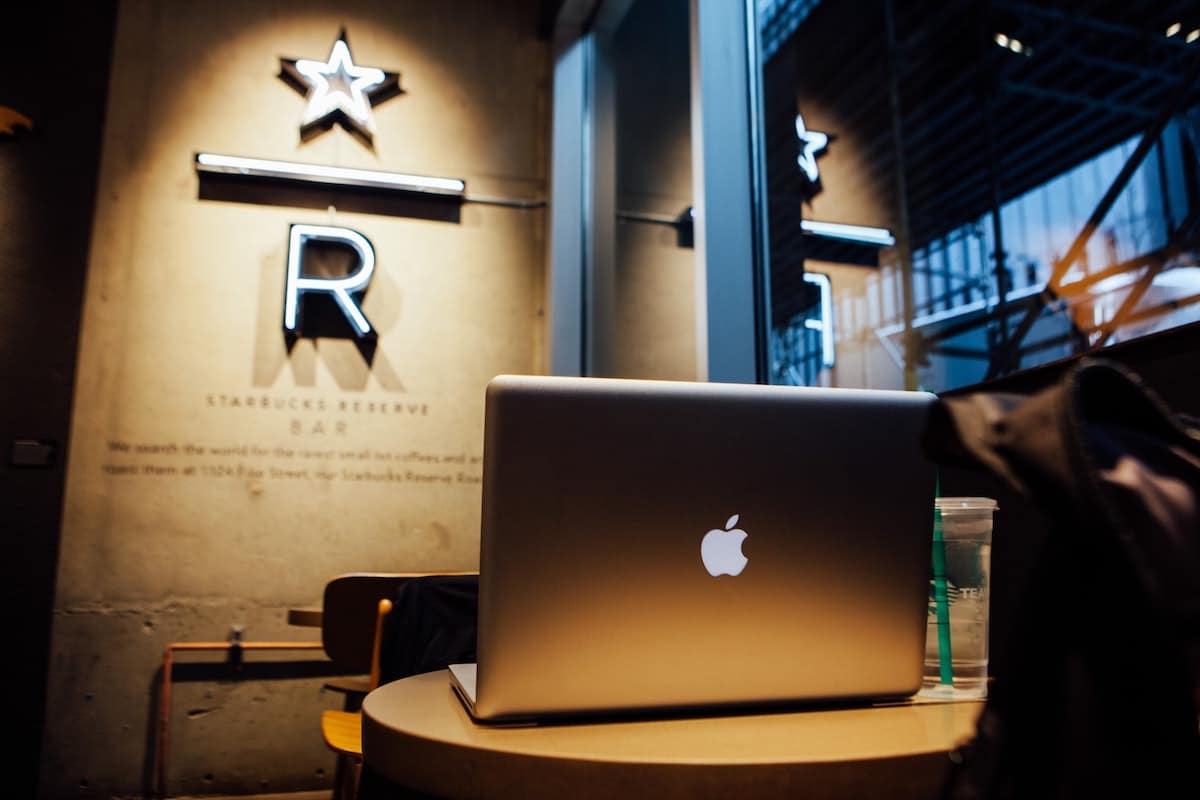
point(663, 545)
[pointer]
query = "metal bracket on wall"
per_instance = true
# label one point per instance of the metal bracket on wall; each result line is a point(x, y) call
point(683, 223)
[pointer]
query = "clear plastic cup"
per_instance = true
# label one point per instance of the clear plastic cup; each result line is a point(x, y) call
point(956, 632)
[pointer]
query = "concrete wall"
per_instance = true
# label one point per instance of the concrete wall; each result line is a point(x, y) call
point(218, 479)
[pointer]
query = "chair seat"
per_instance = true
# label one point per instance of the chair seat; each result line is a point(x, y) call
point(342, 731)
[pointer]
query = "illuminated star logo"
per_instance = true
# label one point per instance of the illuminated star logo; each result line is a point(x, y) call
point(811, 143)
point(339, 91)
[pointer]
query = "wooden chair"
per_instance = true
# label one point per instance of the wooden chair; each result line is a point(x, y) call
point(354, 609)
point(342, 730)
point(348, 620)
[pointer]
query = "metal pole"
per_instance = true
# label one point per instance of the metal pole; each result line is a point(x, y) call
point(999, 256)
point(903, 244)
point(758, 198)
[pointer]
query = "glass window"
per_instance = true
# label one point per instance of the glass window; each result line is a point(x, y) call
point(959, 190)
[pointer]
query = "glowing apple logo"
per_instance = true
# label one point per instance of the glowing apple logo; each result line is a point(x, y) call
point(721, 550)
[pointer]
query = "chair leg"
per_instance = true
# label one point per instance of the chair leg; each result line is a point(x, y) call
point(355, 770)
point(345, 777)
point(338, 768)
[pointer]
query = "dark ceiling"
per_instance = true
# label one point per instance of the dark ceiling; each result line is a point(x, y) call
point(979, 122)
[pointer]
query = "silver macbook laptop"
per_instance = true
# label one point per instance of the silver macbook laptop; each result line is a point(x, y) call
point(664, 546)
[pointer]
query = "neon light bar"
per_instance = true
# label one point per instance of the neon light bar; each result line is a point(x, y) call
point(880, 237)
point(337, 176)
point(341, 288)
point(825, 324)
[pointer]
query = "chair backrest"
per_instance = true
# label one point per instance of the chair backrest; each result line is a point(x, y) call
point(349, 614)
point(384, 608)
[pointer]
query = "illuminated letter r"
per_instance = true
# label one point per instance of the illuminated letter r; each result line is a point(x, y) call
point(342, 288)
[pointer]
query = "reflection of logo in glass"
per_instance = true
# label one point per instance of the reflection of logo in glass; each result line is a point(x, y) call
point(721, 550)
point(823, 322)
point(811, 143)
point(339, 90)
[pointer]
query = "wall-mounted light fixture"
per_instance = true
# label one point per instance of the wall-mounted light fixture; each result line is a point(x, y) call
point(317, 174)
point(859, 234)
point(684, 223)
point(12, 120)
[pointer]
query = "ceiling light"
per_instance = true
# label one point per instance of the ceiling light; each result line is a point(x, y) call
point(1193, 36)
point(1174, 28)
point(1013, 44)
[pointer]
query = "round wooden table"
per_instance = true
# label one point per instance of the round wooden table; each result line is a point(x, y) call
point(417, 735)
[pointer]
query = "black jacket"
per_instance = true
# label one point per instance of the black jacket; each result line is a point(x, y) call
point(1101, 686)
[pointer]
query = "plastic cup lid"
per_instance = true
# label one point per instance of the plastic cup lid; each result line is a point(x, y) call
point(965, 504)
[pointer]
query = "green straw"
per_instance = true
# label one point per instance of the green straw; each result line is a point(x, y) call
point(941, 598)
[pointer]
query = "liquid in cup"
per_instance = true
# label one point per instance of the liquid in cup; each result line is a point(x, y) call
point(967, 544)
